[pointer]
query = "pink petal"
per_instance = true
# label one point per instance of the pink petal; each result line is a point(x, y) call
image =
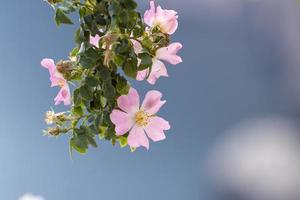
point(137, 138)
point(149, 15)
point(63, 95)
point(129, 103)
point(95, 40)
point(155, 128)
point(141, 75)
point(169, 53)
point(152, 102)
point(158, 70)
point(122, 121)
point(165, 15)
point(137, 46)
point(55, 77)
point(170, 26)
point(166, 20)
point(49, 64)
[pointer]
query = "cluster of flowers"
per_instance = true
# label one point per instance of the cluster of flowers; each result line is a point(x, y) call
point(130, 116)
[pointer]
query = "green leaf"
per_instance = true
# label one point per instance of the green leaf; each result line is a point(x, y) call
point(122, 85)
point(114, 8)
point(76, 97)
point(74, 52)
point(85, 92)
point(89, 58)
point(103, 101)
point(133, 149)
point(79, 145)
point(122, 47)
point(104, 73)
point(79, 37)
point(62, 18)
point(129, 4)
point(146, 61)
point(109, 91)
point(102, 131)
point(100, 20)
point(92, 81)
point(92, 142)
point(130, 68)
point(122, 141)
point(77, 110)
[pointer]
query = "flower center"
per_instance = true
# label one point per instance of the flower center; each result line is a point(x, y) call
point(141, 118)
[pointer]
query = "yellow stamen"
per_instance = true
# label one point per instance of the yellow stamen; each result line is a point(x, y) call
point(141, 118)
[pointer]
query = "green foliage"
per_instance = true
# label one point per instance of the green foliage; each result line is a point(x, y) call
point(62, 18)
point(95, 71)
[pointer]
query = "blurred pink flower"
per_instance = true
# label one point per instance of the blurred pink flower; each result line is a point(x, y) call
point(139, 121)
point(94, 40)
point(166, 20)
point(57, 79)
point(168, 54)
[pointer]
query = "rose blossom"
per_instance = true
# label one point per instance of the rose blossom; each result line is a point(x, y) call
point(166, 20)
point(158, 69)
point(138, 120)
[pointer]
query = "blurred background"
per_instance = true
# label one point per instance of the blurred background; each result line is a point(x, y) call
point(234, 107)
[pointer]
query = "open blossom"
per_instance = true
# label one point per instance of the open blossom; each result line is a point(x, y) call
point(57, 79)
point(166, 20)
point(138, 120)
point(168, 54)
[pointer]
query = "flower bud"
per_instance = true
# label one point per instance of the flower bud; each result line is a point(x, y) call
point(64, 66)
point(53, 131)
point(58, 118)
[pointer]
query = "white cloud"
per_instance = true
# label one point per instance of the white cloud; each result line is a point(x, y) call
point(260, 159)
point(29, 196)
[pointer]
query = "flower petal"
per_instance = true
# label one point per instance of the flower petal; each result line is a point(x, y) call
point(170, 26)
point(167, 20)
point(136, 46)
point(122, 121)
point(169, 53)
point(49, 64)
point(94, 40)
point(129, 103)
point(141, 75)
point(63, 95)
point(137, 138)
point(55, 77)
point(149, 15)
point(158, 70)
point(155, 128)
point(152, 102)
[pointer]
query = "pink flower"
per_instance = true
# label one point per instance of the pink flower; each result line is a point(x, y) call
point(57, 79)
point(95, 40)
point(166, 20)
point(168, 54)
point(140, 121)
